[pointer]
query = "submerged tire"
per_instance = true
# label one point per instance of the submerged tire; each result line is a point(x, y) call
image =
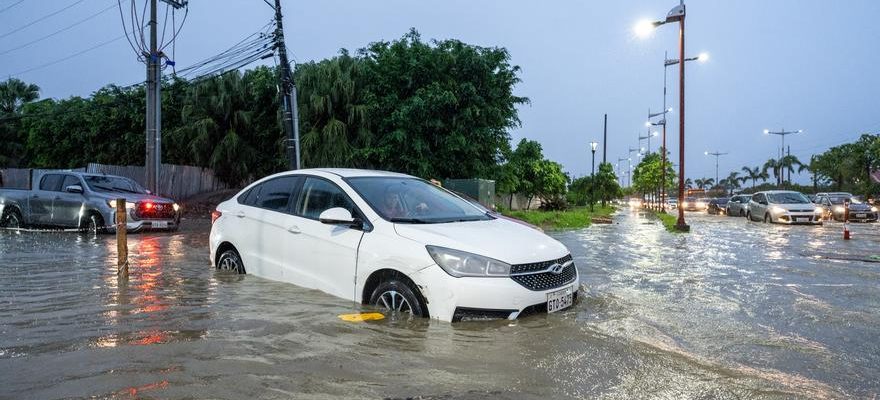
point(230, 261)
point(93, 224)
point(395, 295)
point(12, 219)
point(767, 219)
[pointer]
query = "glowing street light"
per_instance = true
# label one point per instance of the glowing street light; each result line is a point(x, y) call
point(643, 29)
point(593, 146)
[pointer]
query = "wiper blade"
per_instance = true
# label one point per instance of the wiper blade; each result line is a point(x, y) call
point(410, 220)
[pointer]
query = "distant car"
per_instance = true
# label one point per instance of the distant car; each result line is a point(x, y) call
point(718, 206)
point(833, 205)
point(694, 204)
point(672, 203)
point(783, 207)
point(738, 205)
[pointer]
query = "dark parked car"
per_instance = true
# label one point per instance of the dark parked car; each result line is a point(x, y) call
point(718, 206)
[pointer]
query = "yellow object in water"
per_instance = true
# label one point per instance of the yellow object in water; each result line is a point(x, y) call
point(361, 317)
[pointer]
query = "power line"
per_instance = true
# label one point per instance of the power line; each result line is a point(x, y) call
point(79, 53)
point(58, 31)
point(11, 5)
point(40, 19)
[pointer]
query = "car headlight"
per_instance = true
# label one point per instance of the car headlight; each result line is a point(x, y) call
point(838, 209)
point(176, 207)
point(460, 263)
point(873, 209)
point(819, 210)
point(777, 210)
point(112, 204)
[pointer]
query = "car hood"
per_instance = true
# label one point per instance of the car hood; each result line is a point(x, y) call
point(498, 238)
point(795, 206)
point(855, 207)
point(135, 197)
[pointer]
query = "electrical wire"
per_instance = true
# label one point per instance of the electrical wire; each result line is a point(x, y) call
point(40, 19)
point(162, 46)
point(58, 31)
point(79, 53)
point(125, 29)
point(11, 5)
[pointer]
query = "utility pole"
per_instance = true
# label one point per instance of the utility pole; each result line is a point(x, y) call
point(605, 140)
point(783, 133)
point(288, 95)
point(154, 100)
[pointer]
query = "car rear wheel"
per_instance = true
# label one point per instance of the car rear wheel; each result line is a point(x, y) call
point(397, 296)
point(749, 216)
point(767, 218)
point(92, 225)
point(229, 261)
point(12, 219)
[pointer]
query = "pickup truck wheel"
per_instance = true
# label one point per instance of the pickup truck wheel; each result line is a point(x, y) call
point(11, 219)
point(93, 224)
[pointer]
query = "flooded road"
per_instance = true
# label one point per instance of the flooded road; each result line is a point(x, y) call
point(731, 310)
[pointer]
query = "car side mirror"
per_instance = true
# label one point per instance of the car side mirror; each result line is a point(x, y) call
point(337, 216)
point(74, 189)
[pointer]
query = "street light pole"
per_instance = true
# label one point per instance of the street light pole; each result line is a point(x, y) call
point(782, 133)
point(717, 155)
point(593, 146)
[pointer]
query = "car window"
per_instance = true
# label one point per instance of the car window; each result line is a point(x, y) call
point(51, 182)
point(788, 198)
point(275, 194)
point(250, 197)
point(318, 195)
point(70, 180)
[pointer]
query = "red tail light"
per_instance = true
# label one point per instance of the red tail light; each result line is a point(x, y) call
point(214, 215)
point(148, 206)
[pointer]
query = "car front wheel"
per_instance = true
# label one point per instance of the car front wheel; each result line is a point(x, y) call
point(767, 218)
point(398, 297)
point(230, 262)
point(11, 219)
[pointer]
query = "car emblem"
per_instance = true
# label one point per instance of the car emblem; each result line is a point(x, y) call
point(556, 268)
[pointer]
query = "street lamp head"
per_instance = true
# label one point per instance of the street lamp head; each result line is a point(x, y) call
point(669, 109)
point(706, 153)
point(766, 131)
point(654, 133)
point(593, 146)
point(703, 57)
point(645, 28)
point(648, 124)
point(800, 130)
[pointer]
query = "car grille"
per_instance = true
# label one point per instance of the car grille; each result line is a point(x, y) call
point(157, 211)
point(801, 211)
point(535, 276)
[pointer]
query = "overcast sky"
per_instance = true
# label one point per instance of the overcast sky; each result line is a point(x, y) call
point(808, 65)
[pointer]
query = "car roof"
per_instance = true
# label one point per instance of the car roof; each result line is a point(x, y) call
point(778, 191)
point(353, 172)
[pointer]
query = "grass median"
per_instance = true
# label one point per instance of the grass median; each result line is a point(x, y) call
point(575, 218)
point(668, 220)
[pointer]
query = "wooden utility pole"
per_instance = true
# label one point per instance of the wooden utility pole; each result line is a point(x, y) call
point(121, 239)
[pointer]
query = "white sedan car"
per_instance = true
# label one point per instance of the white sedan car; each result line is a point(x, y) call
point(783, 207)
point(393, 241)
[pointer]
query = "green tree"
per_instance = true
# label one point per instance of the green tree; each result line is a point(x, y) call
point(14, 94)
point(754, 174)
point(606, 184)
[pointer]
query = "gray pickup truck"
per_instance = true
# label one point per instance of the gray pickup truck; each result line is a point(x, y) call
point(86, 202)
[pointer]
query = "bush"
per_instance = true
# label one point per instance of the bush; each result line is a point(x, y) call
point(554, 204)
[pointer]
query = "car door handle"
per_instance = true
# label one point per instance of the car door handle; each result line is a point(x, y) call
point(240, 214)
point(294, 229)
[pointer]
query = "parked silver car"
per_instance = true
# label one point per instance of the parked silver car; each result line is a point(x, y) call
point(783, 207)
point(738, 205)
point(833, 205)
point(86, 202)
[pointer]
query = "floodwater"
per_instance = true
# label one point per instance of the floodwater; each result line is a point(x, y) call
point(732, 310)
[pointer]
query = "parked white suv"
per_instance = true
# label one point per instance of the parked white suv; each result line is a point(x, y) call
point(784, 207)
point(391, 240)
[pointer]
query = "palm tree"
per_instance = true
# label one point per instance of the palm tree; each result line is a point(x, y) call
point(789, 163)
point(775, 166)
point(752, 173)
point(14, 93)
point(688, 183)
point(732, 181)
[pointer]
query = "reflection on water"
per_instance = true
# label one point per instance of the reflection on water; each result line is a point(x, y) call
point(732, 310)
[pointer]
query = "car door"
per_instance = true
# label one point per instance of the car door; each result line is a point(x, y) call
point(759, 206)
point(67, 207)
point(264, 221)
point(40, 202)
point(326, 255)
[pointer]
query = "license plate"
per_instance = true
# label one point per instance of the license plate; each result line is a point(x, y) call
point(559, 300)
point(801, 220)
point(160, 224)
point(861, 215)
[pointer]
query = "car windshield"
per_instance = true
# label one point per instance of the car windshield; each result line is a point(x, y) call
point(788, 198)
point(414, 201)
point(113, 184)
point(722, 200)
point(841, 200)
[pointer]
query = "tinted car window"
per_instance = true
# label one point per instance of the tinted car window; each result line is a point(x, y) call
point(250, 197)
point(51, 182)
point(70, 180)
point(318, 195)
point(275, 194)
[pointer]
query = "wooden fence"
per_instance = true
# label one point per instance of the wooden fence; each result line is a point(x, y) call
point(177, 181)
